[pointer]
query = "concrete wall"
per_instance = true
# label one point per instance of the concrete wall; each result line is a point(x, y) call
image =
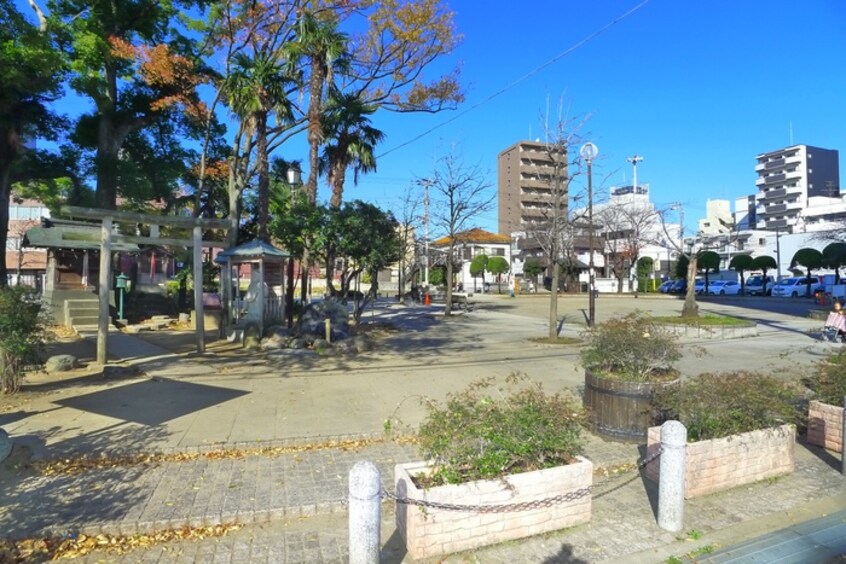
point(722, 464)
point(432, 532)
point(825, 425)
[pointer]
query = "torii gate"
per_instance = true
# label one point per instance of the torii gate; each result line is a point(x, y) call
point(108, 217)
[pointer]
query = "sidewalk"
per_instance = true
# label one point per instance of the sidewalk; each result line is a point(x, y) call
point(292, 500)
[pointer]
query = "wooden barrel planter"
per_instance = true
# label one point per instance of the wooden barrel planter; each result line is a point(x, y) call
point(620, 410)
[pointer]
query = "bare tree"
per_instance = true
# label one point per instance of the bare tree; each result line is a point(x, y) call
point(690, 309)
point(461, 196)
point(628, 227)
point(409, 220)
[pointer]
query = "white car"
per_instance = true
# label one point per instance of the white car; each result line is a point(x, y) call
point(755, 285)
point(724, 288)
point(797, 287)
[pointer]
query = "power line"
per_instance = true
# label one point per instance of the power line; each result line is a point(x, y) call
point(526, 76)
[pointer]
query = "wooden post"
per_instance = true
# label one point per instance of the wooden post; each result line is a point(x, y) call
point(105, 287)
point(198, 290)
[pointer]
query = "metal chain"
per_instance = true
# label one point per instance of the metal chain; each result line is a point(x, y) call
point(522, 506)
point(499, 508)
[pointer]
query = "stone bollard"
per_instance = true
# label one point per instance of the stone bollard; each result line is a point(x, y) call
point(843, 441)
point(365, 513)
point(671, 476)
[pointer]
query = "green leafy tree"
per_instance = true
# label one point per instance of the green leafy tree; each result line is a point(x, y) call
point(764, 263)
point(368, 239)
point(477, 268)
point(533, 267)
point(834, 256)
point(130, 59)
point(810, 259)
point(644, 269)
point(294, 223)
point(498, 266)
point(708, 261)
point(30, 72)
point(23, 332)
point(740, 264)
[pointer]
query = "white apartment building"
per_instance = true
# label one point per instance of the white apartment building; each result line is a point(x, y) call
point(788, 179)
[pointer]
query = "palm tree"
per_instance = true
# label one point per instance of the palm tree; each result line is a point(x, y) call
point(740, 264)
point(709, 261)
point(324, 48)
point(834, 256)
point(350, 141)
point(257, 87)
point(809, 258)
point(764, 263)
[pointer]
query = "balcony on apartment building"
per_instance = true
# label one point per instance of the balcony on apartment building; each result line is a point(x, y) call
point(538, 184)
point(777, 193)
point(772, 165)
point(771, 179)
point(775, 224)
point(790, 208)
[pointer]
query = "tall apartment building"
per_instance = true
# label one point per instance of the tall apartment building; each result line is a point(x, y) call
point(528, 175)
point(788, 178)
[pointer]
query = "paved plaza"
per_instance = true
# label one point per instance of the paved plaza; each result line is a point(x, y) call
point(315, 417)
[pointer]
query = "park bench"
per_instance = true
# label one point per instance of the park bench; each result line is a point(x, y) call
point(459, 300)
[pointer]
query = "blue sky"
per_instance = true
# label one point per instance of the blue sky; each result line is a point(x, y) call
point(696, 88)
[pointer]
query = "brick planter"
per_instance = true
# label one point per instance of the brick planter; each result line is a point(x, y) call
point(825, 425)
point(721, 464)
point(432, 532)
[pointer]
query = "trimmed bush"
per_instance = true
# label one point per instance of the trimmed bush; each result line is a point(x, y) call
point(714, 406)
point(483, 433)
point(828, 382)
point(632, 348)
point(23, 332)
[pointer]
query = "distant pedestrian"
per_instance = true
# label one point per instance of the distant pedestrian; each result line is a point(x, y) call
point(835, 324)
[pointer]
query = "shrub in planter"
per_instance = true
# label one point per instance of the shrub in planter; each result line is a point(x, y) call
point(625, 360)
point(714, 406)
point(480, 434)
point(741, 429)
point(825, 412)
point(485, 447)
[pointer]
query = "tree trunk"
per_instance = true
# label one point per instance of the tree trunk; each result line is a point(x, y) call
point(5, 193)
point(690, 308)
point(448, 306)
point(263, 176)
point(553, 301)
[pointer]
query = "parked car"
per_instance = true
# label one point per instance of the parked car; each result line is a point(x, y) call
point(699, 286)
point(797, 286)
point(724, 288)
point(665, 286)
point(755, 285)
point(678, 287)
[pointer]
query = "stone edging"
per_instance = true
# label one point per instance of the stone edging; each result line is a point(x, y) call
point(712, 331)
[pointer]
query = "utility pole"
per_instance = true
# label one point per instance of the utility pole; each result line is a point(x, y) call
point(425, 182)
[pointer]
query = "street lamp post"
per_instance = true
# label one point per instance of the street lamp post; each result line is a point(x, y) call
point(634, 160)
point(295, 179)
point(588, 153)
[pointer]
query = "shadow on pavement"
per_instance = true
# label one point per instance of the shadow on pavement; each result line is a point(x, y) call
point(151, 402)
